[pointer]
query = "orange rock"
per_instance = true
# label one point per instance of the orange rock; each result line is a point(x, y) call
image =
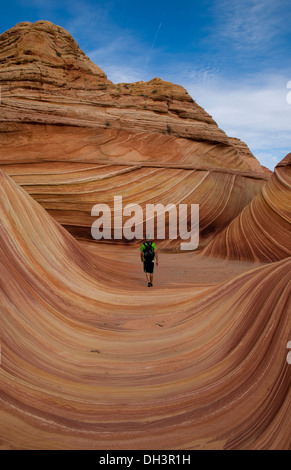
point(91, 361)
point(89, 358)
point(57, 106)
point(261, 232)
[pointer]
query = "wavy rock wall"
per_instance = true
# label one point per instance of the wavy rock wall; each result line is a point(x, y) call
point(262, 231)
point(78, 372)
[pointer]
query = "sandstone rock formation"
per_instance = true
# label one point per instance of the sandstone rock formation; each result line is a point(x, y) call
point(90, 357)
point(79, 373)
point(262, 231)
point(73, 139)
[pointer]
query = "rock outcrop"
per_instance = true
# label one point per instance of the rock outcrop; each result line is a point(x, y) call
point(72, 138)
point(262, 231)
point(91, 358)
point(78, 373)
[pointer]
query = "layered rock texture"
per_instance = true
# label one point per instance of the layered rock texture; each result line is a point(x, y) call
point(92, 361)
point(91, 358)
point(261, 232)
point(73, 139)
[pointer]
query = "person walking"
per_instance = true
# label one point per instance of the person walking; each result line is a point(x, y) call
point(148, 254)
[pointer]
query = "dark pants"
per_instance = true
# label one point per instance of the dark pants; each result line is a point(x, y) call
point(149, 267)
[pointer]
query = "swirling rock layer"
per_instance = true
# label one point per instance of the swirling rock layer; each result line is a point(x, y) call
point(69, 192)
point(74, 138)
point(262, 231)
point(90, 360)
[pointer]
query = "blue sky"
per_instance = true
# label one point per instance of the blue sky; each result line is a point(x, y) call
point(233, 57)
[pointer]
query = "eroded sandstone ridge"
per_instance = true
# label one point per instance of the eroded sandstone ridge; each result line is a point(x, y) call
point(73, 139)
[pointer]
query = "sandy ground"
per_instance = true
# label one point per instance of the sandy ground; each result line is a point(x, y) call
point(178, 270)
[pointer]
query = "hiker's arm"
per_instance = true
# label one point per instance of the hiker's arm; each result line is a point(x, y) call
point(157, 258)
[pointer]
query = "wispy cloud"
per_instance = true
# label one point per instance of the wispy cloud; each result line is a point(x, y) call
point(250, 24)
point(89, 22)
point(242, 81)
point(123, 59)
point(119, 51)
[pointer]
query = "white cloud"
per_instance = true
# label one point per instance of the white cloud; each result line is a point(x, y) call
point(255, 111)
point(270, 158)
point(123, 74)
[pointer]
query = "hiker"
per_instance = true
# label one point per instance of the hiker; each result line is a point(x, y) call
point(148, 256)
